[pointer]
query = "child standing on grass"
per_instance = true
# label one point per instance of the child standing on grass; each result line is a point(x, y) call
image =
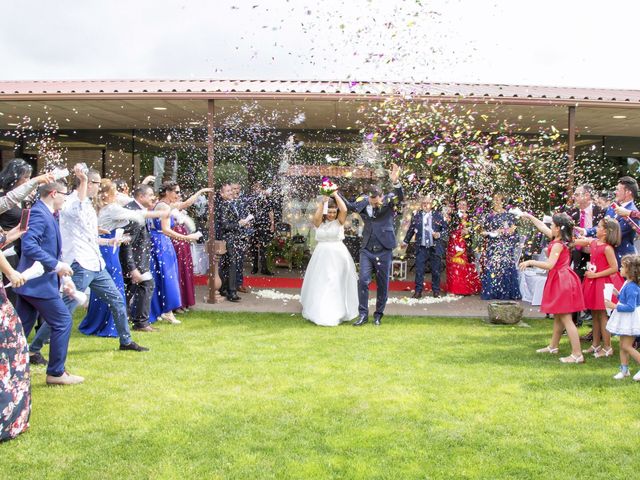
point(562, 293)
point(625, 318)
point(604, 269)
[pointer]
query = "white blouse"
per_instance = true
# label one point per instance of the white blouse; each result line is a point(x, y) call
point(115, 216)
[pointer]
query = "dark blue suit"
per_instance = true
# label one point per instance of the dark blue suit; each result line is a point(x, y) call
point(432, 253)
point(42, 243)
point(628, 234)
point(378, 242)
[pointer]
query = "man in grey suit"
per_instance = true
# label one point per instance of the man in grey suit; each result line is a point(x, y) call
point(378, 242)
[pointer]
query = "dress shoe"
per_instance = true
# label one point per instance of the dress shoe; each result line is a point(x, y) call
point(254, 271)
point(65, 379)
point(436, 294)
point(147, 328)
point(233, 298)
point(134, 347)
point(361, 321)
point(243, 289)
point(417, 295)
point(37, 359)
point(377, 320)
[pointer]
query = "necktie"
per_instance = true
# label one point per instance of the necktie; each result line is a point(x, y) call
point(581, 223)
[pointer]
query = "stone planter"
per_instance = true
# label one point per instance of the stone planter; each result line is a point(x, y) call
point(505, 312)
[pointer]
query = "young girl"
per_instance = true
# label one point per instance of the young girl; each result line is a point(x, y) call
point(625, 318)
point(562, 293)
point(603, 259)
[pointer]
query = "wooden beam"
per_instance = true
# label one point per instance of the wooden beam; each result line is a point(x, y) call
point(213, 264)
point(571, 153)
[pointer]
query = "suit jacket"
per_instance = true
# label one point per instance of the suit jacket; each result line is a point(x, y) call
point(230, 229)
point(136, 253)
point(628, 233)
point(597, 215)
point(380, 225)
point(438, 224)
point(41, 243)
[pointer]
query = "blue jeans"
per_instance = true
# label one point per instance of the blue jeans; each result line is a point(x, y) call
point(103, 287)
point(424, 255)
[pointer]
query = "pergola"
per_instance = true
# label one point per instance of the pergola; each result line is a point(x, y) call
point(134, 104)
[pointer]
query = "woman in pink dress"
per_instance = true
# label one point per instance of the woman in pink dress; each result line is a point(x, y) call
point(603, 269)
point(562, 293)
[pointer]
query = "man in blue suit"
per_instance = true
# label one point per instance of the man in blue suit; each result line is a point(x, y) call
point(42, 243)
point(626, 193)
point(378, 242)
point(430, 229)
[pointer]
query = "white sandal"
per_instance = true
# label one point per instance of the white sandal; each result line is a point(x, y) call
point(573, 359)
point(592, 349)
point(605, 352)
point(548, 349)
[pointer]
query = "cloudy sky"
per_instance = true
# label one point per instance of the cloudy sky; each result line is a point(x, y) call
point(587, 43)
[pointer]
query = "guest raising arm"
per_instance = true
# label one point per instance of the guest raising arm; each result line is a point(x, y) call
point(562, 290)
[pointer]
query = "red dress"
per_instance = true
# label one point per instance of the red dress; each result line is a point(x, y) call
point(593, 288)
point(185, 268)
point(462, 278)
point(562, 290)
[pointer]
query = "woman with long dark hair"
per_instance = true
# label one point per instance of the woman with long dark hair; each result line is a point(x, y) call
point(563, 290)
point(16, 188)
point(164, 262)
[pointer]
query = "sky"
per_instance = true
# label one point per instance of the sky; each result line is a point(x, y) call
point(581, 43)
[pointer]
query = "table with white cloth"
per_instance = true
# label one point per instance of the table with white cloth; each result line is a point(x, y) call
point(532, 282)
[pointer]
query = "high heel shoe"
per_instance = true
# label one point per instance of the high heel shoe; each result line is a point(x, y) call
point(170, 318)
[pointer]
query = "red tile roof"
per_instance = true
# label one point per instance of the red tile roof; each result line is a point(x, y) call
point(316, 89)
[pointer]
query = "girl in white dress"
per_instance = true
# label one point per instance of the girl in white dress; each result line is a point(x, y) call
point(330, 288)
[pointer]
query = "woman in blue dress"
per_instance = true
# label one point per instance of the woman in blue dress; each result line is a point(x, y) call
point(164, 263)
point(111, 216)
point(500, 275)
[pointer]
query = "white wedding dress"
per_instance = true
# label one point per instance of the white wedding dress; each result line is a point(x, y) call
point(330, 288)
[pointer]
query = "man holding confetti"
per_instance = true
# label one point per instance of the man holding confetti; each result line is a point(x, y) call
point(378, 242)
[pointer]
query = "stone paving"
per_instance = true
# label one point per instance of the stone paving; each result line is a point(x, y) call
point(400, 303)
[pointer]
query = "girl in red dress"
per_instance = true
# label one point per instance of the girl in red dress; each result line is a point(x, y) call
point(562, 293)
point(603, 269)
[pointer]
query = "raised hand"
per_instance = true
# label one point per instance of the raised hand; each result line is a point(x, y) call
point(394, 173)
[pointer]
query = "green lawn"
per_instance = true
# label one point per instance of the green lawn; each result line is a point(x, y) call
point(244, 396)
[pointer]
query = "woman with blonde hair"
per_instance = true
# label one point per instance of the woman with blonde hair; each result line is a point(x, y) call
point(111, 216)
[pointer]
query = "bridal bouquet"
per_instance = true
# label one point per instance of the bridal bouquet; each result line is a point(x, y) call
point(327, 188)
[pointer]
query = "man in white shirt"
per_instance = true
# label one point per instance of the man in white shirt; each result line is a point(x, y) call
point(80, 249)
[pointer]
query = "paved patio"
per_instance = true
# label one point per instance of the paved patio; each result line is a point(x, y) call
point(400, 303)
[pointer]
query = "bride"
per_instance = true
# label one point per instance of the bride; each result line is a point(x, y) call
point(330, 288)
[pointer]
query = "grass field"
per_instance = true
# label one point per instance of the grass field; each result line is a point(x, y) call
point(244, 396)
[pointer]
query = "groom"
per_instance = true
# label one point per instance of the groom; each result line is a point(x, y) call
point(378, 242)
